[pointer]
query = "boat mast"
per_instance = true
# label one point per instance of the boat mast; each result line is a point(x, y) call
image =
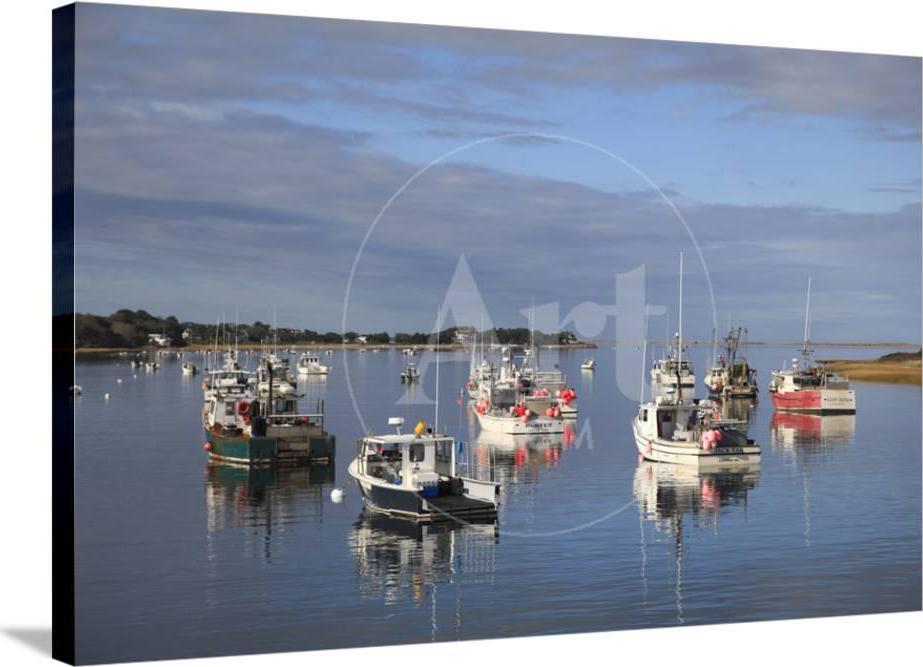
point(807, 320)
point(644, 356)
point(679, 346)
point(436, 420)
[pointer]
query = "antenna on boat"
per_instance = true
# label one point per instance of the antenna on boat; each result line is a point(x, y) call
point(807, 319)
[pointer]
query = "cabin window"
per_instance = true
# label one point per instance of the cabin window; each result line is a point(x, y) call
point(417, 452)
point(228, 409)
point(444, 451)
point(667, 417)
point(644, 415)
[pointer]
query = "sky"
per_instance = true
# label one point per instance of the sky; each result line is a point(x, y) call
point(238, 165)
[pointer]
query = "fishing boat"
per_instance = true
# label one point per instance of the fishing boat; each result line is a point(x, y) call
point(807, 386)
point(414, 475)
point(277, 371)
point(503, 408)
point(310, 364)
point(673, 372)
point(693, 433)
point(151, 365)
point(588, 365)
point(410, 374)
point(244, 427)
point(76, 390)
point(731, 376)
point(189, 368)
point(674, 429)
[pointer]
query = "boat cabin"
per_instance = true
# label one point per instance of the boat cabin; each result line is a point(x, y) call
point(408, 460)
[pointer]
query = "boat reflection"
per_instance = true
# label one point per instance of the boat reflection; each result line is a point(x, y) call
point(666, 493)
point(399, 560)
point(806, 440)
point(791, 429)
point(505, 457)
point(262, 503)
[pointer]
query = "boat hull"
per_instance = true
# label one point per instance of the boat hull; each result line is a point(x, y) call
point(515, 425)
point(407, 502)
point(816, 401)
point(251, 450)
point(664, 451)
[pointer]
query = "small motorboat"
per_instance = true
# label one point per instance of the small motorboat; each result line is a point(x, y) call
point(410, 374)
point(309, 364)
point(588, 365)
point(189, 368)
point(76, 390)
point(414, 475)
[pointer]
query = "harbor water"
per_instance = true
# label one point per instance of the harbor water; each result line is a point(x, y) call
point(176, 557)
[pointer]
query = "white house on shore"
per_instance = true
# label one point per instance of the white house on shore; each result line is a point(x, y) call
point(160, 340)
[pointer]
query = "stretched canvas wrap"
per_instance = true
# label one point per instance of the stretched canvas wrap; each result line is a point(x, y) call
point(373, 334)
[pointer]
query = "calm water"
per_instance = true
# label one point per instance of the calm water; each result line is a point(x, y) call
point(177, 558)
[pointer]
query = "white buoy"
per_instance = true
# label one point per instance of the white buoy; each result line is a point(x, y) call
point(119, 381)
point(106, 395)
point(336, 495)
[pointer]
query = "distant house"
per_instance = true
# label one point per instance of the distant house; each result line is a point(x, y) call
point(187, 334)
point(362, 339)
point(160, 340)
point(465, 335)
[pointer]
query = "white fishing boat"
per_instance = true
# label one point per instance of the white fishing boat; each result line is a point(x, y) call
point(673, 370)
point(588, 365)
point(415, 475)
point(692, 433)
point(189, 368)
point(310, 364)
point(676, 429)
point(502, 408)
point(76, 390)
point(151, 365)
point(277, 371)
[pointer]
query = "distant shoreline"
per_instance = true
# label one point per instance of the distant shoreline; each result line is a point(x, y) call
point(195, 347)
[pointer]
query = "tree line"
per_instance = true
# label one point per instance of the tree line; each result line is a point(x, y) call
point(128, 328)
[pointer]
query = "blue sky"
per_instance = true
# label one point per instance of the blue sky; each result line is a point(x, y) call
point(232, 163)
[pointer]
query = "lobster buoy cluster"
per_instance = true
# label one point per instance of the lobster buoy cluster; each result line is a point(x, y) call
point(541, 393)
point(206, 384)
point(554, 412)
point(481, 406)
point(522, 412)
point(207, 446)
point(710, 438)
point(566, 395)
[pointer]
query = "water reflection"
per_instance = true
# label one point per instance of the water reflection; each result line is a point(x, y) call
point(806, 441)
point(790, 429)
point(400, 560)
point(666, 493)
point(517, 459)
point(264, 503)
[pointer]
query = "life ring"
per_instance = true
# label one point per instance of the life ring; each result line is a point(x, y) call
point(243, 408)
